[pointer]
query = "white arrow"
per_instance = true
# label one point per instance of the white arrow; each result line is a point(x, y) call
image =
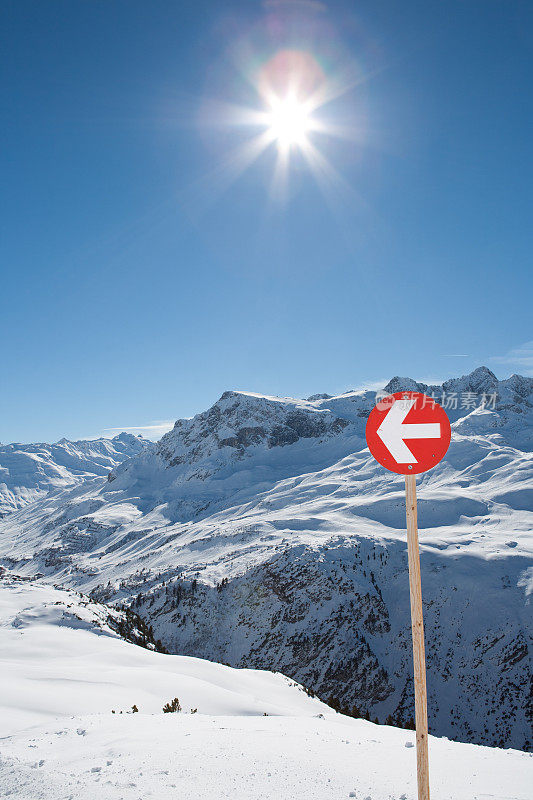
point(393, 431)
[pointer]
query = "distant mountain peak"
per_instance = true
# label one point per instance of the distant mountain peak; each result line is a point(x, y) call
point(128, 437)
point(30, 471)
point(314, 397)
point(479, 381)
point(482, 372)
point(398, 384)
point(241, 420)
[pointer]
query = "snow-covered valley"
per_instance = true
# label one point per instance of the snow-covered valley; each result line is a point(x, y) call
point(262, 534)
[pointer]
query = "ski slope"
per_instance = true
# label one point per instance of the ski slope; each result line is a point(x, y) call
point(203, 757)
point(63, 670)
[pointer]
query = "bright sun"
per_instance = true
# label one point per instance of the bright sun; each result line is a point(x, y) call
point(292, 90)
point(288, 121)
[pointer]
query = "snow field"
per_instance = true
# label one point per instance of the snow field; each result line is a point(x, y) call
point(62, 671)
point(138, 756)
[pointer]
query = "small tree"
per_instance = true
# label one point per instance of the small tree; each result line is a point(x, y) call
point(334, 703)
point(173, 707)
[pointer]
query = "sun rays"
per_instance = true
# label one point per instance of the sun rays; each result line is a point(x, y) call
point(289, 119)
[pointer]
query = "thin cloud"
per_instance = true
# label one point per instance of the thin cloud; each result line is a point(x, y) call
point(300, 5)
point(154, 430)
point(375, 386)
point(432, 380)
point(520, 357)
point(370, 386)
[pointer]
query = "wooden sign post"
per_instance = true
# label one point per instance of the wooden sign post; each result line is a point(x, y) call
point(399, 418)
point(417, 628)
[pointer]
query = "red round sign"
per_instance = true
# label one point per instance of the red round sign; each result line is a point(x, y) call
point(408, 432)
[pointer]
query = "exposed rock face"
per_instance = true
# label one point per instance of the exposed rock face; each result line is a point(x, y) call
point(397, 384)
point(481, 381)
point(337, 620)
point(242, 421)
point(261, 533)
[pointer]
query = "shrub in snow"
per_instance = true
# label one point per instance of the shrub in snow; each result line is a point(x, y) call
point(171, 708)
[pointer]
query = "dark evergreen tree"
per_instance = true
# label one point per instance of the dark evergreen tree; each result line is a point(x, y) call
point(172, 707)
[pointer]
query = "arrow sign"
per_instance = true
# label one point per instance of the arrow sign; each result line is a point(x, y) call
point(393, 431)
point(408, 432)
point(419, 419)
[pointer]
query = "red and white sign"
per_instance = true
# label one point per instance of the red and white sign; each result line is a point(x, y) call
point(408, 432)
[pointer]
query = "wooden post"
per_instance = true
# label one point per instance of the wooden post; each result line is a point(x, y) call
point(417, 627)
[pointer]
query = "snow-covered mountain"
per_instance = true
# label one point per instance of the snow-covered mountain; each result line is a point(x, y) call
point(69, 687)
point(262, 533)
point(30, 471)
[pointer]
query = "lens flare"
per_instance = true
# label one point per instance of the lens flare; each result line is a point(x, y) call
point(292, 90)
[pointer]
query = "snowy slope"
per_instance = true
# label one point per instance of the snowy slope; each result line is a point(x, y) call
point(60, 657)
point(261, 533)
point(63, 670)
point(138, 756)
point(29, 471)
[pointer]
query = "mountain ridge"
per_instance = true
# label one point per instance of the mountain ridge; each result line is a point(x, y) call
point(30, 471)
point(254, 537)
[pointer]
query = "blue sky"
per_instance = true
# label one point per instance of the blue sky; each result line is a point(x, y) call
point(141, 278)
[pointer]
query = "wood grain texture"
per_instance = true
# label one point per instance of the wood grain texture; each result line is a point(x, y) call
point(417, 627)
